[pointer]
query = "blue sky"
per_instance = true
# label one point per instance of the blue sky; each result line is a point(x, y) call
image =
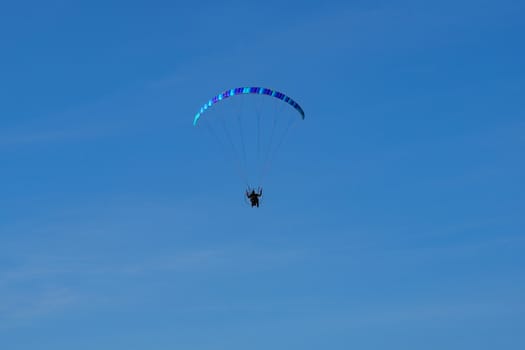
point(393, 216)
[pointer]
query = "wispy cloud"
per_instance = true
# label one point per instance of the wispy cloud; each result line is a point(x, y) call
point(18, 302)
point(28, 137)
point(185, 261)
point(45, 268)
point(20, 306)
point(458, 310)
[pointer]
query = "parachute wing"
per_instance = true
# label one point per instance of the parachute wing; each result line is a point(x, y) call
point(250, 127)
point(249, 90)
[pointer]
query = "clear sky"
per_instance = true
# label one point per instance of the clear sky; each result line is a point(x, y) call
point(393, 216)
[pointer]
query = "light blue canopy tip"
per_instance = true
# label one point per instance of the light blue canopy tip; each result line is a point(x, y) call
point(248, 90)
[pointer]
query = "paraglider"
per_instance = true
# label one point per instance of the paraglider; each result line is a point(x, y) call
point(252, 127)
point(254, 197)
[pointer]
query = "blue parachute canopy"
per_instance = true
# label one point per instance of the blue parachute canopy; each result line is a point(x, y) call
point(248, 90)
